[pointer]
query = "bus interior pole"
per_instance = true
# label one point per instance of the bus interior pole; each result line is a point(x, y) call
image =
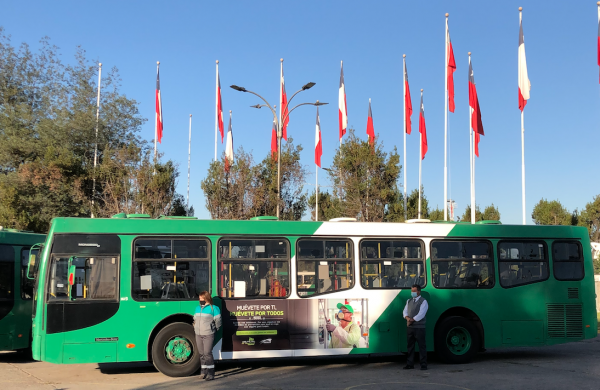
point(96, 145)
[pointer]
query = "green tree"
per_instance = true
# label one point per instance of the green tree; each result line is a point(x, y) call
point(551, 213)
point(329, 206)
point(48, 136)
point(466, 217)
point(179, 207)
point(436, 215)
point(412, 204)
point(249, 190)
point(590, 218)
point(365, 178)
point(491, 213)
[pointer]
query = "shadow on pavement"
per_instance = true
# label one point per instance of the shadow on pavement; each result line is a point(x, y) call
point(16, 357)
point(126, 368)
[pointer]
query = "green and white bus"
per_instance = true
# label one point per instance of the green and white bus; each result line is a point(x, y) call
point(16, 289)
point(124, 289)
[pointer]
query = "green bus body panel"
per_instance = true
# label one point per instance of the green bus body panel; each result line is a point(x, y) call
point(18, 320)
point(524, 319)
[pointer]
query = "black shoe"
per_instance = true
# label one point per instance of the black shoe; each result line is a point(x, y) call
point(209, 378)
point(408, 367)
point(423, 368)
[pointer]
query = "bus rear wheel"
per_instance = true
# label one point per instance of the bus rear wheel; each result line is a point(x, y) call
point(457, 340)
point(174, 351)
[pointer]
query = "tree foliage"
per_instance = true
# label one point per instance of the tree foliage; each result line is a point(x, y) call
point(248, 190)
point(590, 218)
point(490, 213)
point(48, 137)
point(364, 179)
point(551, 213)
point(412, 204)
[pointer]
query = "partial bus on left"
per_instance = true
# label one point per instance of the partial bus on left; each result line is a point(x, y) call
point(16, 288)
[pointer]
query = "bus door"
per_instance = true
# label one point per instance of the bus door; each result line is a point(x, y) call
point(7, 296)
point(82, 293)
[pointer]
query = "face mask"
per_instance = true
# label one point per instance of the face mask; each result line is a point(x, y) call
point(202, 303)
point(414, 294)
point(340, 315)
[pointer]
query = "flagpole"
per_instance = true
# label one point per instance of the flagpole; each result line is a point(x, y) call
point(216, 108)
point(522, 144)
point(279, 135)
point(96, 146)
point(420, 163)
point(523, 163)
point(472, 158)
point(317, 198)
point(446, 128)
point(404, 85)
point(189, 159)
point(156, 124)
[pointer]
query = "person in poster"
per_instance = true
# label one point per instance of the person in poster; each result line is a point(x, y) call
point(347, 333)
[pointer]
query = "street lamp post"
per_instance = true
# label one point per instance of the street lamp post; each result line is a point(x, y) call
point(278, 125)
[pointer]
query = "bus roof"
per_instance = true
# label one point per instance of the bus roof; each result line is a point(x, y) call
point(167, 226)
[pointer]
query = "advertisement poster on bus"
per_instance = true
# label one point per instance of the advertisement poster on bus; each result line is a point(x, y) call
point(251, 325)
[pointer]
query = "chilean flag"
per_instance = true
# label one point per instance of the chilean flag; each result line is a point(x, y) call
point(342, 109)
point(370, 129)
point(274, 142)
point(220, 106)
point(229, 147)
point(283, 108)
point(159, 116)
point(524, 84)
point(476, 123)
point(422, 130)
point(407, 102)
point(451, 65)
point(318, 143)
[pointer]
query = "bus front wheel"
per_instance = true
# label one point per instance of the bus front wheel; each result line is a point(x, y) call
point(174, 351)
point(457, 340)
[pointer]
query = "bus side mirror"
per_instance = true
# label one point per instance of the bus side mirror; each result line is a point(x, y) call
point(31, 266)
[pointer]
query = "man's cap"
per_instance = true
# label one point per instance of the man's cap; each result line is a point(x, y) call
point(347, 307)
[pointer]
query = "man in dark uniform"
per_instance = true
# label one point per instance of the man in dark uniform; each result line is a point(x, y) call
point(414, 313)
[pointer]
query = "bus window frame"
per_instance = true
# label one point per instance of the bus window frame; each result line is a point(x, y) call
point(582, 259)
point(324, 239)
point(188, 259)
point(254, 260)
point(81, 301)
point(491, 260)
point(519, 240)
point(423, 260)
point(23, 275)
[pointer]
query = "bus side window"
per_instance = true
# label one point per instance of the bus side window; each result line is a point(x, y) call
point(324, 266)
point(387, 263)
point(7, 264)
point(522, 262)
point(567, 257)
point(462, 264)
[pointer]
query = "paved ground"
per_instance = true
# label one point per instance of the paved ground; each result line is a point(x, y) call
point(569, 366)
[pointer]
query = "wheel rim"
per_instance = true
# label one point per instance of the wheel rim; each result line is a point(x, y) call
point(458, 340)
point(178, 350)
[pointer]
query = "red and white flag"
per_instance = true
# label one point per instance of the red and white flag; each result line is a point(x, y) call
point(342, 107)
point(283, 108)
point(407, 102)
point(219, 107)
point(318, 142)
point(370, 129)
point(229, 147)
point(274, 142)
point(476, 123)
point(524, 84)
point(451, 67)
point(159, 116)
point(422, 130)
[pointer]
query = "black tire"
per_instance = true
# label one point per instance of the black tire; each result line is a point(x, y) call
point(184, 333)
point(457, 340)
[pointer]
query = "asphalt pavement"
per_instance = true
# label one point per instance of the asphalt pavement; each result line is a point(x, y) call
point(567, 366)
